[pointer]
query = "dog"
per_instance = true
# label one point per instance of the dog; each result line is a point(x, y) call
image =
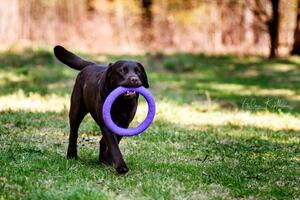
point(93, 84)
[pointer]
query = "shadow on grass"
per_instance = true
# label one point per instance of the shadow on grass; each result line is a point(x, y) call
point(244, 160)
point(34, 71)
point(26, 57)
point(183, 78)
point(253, 162)
point(270, 85)
point(252, 71)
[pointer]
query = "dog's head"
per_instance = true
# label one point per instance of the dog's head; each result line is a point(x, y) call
point(127, 74)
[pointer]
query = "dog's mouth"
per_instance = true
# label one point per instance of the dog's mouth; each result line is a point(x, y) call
point(129, 94)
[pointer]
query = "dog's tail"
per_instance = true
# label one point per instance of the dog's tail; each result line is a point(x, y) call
point(70, 59)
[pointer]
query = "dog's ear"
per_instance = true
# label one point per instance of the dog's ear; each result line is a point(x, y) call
point(70, 59)
point(106, 81)
point(108, 72)
point(143, 77)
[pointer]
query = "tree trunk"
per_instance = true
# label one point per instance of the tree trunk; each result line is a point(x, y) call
point(90, 5)
point(273, 28)
point(296, 46)
point(147, 21)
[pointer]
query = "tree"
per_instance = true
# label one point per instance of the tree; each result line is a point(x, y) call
point(296, 46)
point(270, 22)
point(273, 26)
point(90, 5)
point(147, 21)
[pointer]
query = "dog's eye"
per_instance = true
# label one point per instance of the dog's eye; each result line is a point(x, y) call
point(123, 70)
point(137, 70)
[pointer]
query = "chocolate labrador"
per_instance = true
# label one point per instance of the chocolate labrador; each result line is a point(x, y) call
point(93, 84)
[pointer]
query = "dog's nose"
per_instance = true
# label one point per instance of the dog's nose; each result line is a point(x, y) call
point(134, 80)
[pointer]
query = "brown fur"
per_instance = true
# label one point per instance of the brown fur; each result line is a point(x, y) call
point(93, 84)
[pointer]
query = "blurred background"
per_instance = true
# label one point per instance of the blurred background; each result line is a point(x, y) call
point(259, 27)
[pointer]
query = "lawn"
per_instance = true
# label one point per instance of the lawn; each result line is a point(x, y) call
point(225, 128)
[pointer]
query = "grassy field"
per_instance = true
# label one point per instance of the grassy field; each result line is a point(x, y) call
point(226, 128)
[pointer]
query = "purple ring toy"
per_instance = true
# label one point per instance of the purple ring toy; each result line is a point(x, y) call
point(130, 131)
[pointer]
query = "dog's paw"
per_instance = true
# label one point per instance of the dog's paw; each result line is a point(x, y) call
point(122, 170)
point(72, 155)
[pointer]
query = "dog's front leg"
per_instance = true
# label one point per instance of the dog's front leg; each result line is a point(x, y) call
point(105, 155)
point(112, 143)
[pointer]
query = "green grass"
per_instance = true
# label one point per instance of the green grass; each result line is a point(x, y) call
point(225, 128)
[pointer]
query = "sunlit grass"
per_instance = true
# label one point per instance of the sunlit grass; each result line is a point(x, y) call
point(192, 116)
point(11, 77)
point(33, 102)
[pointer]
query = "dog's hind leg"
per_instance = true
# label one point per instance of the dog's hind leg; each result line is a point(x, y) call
point(76, 115)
